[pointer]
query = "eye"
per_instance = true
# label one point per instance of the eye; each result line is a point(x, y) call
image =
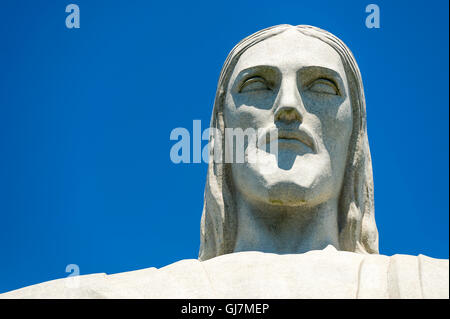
point(323, 86)
point(255, 83)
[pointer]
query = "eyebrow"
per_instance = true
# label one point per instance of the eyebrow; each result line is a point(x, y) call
point(261, 67)
point(256, 68)
point(321, 69)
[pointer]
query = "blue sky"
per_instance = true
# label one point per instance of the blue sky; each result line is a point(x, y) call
point(86, 115)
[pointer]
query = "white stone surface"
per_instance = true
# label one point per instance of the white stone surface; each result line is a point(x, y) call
point(317, 190)
point(318, 274)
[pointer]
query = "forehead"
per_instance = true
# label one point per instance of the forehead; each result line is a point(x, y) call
point(291, 49)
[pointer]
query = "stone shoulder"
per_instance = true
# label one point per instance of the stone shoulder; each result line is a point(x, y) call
point(324, 273)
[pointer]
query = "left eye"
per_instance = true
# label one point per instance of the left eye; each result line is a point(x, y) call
point(323, 86)
point(254, 84)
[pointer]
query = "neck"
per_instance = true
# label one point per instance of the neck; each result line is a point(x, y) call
point(286, 230)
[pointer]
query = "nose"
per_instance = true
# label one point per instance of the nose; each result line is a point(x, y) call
point(289, 103)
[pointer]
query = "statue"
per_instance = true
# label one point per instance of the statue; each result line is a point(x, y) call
point(304, 80)
point(296, 225)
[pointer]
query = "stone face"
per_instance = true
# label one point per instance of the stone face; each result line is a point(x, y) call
point(316, 189)
point(299, 222)
point(316, 274)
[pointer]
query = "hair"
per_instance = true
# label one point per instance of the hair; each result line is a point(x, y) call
point(356, 221)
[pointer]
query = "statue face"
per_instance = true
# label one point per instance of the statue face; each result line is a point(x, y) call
point(296, 84)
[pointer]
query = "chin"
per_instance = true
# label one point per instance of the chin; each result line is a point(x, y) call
point(280, 188)
point(288, 194)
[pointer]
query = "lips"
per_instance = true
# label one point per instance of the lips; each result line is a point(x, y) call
point(292, 135)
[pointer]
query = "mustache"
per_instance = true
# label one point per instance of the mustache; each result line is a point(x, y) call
point(300, 134)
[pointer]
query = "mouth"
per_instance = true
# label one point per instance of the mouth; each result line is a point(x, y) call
point(290, 136)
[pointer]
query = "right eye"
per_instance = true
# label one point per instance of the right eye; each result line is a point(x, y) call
point(255, 83)
point(324, 86)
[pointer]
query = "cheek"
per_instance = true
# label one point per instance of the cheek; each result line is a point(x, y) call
point(245, 116)
point(332, 119)
point(337, 129)
point(339, 124)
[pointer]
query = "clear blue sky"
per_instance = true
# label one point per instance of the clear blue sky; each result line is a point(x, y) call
point(86, 114)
